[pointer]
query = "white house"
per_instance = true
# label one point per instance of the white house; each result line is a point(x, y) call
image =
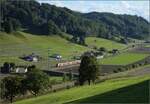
point(21, 70)
point(35, 59)
point(100, 57)
point(56, 56)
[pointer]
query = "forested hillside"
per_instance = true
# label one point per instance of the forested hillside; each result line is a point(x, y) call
point(47, 19)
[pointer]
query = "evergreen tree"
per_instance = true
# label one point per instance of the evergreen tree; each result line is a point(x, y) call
point(8, 27)
point(52, 28)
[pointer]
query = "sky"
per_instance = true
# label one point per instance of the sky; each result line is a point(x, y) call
point(133, 7)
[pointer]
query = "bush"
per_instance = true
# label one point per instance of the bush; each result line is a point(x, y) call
point(120, 69)
point(115, 71)
point(146, 62)
point(67, 87)
point(133, 66)
point(140, 64)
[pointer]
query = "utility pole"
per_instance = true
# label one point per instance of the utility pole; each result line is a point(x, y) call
point(48, 61)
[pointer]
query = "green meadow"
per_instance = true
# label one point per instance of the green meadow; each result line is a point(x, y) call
point(20, 43)
point(148, 46)
point(108, 44)
point(121, 90)
point(123, 59)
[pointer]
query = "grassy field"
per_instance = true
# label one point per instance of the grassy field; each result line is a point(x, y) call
point(41, 44)
point(148, 46)
point(123, 59)
point(19, 43)
point(99, 42)
point(15, 45)
point(122, 90)
point(55, 80)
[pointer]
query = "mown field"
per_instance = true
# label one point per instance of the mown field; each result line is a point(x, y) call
point(19, 43)
point(148, 46)
point(40, 44)
point(123, 59)
point(121, 90)
point(99, 42)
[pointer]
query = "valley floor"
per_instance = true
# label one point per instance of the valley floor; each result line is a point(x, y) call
point(125, 87)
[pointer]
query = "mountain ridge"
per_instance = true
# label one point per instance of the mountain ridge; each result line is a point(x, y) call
point(49, 19)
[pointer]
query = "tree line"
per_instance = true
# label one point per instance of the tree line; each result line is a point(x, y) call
point(33, 81)
point(36, 81)
point(48, 19)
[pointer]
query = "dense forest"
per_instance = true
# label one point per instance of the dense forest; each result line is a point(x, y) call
point(33, 17)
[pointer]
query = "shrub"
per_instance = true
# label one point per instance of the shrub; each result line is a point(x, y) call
point(115, 71)
point(120, 69)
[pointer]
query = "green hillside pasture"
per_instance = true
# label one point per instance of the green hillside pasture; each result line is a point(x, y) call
point(137, 93)
point(115, 89)
point(41, 44)
point(55, 80)
point(148, 46)
point(108, 44)
point(17, 44)
point(123, 59)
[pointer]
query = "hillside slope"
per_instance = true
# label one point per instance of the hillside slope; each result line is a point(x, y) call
point(123, 90)
point(41, 43)
point(126, 25)
point(48, 19)
point(19, 43)
point(100, 42)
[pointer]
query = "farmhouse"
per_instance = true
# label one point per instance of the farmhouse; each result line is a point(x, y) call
point(56, 56)
point(33, 57)
point(20, 69)
point(100, 57)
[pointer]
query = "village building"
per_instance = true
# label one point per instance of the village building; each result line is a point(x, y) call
point(20, 69)
point(56, 56)
point(32, 57)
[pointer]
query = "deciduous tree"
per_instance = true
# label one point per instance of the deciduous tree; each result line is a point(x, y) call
point(89, 69)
